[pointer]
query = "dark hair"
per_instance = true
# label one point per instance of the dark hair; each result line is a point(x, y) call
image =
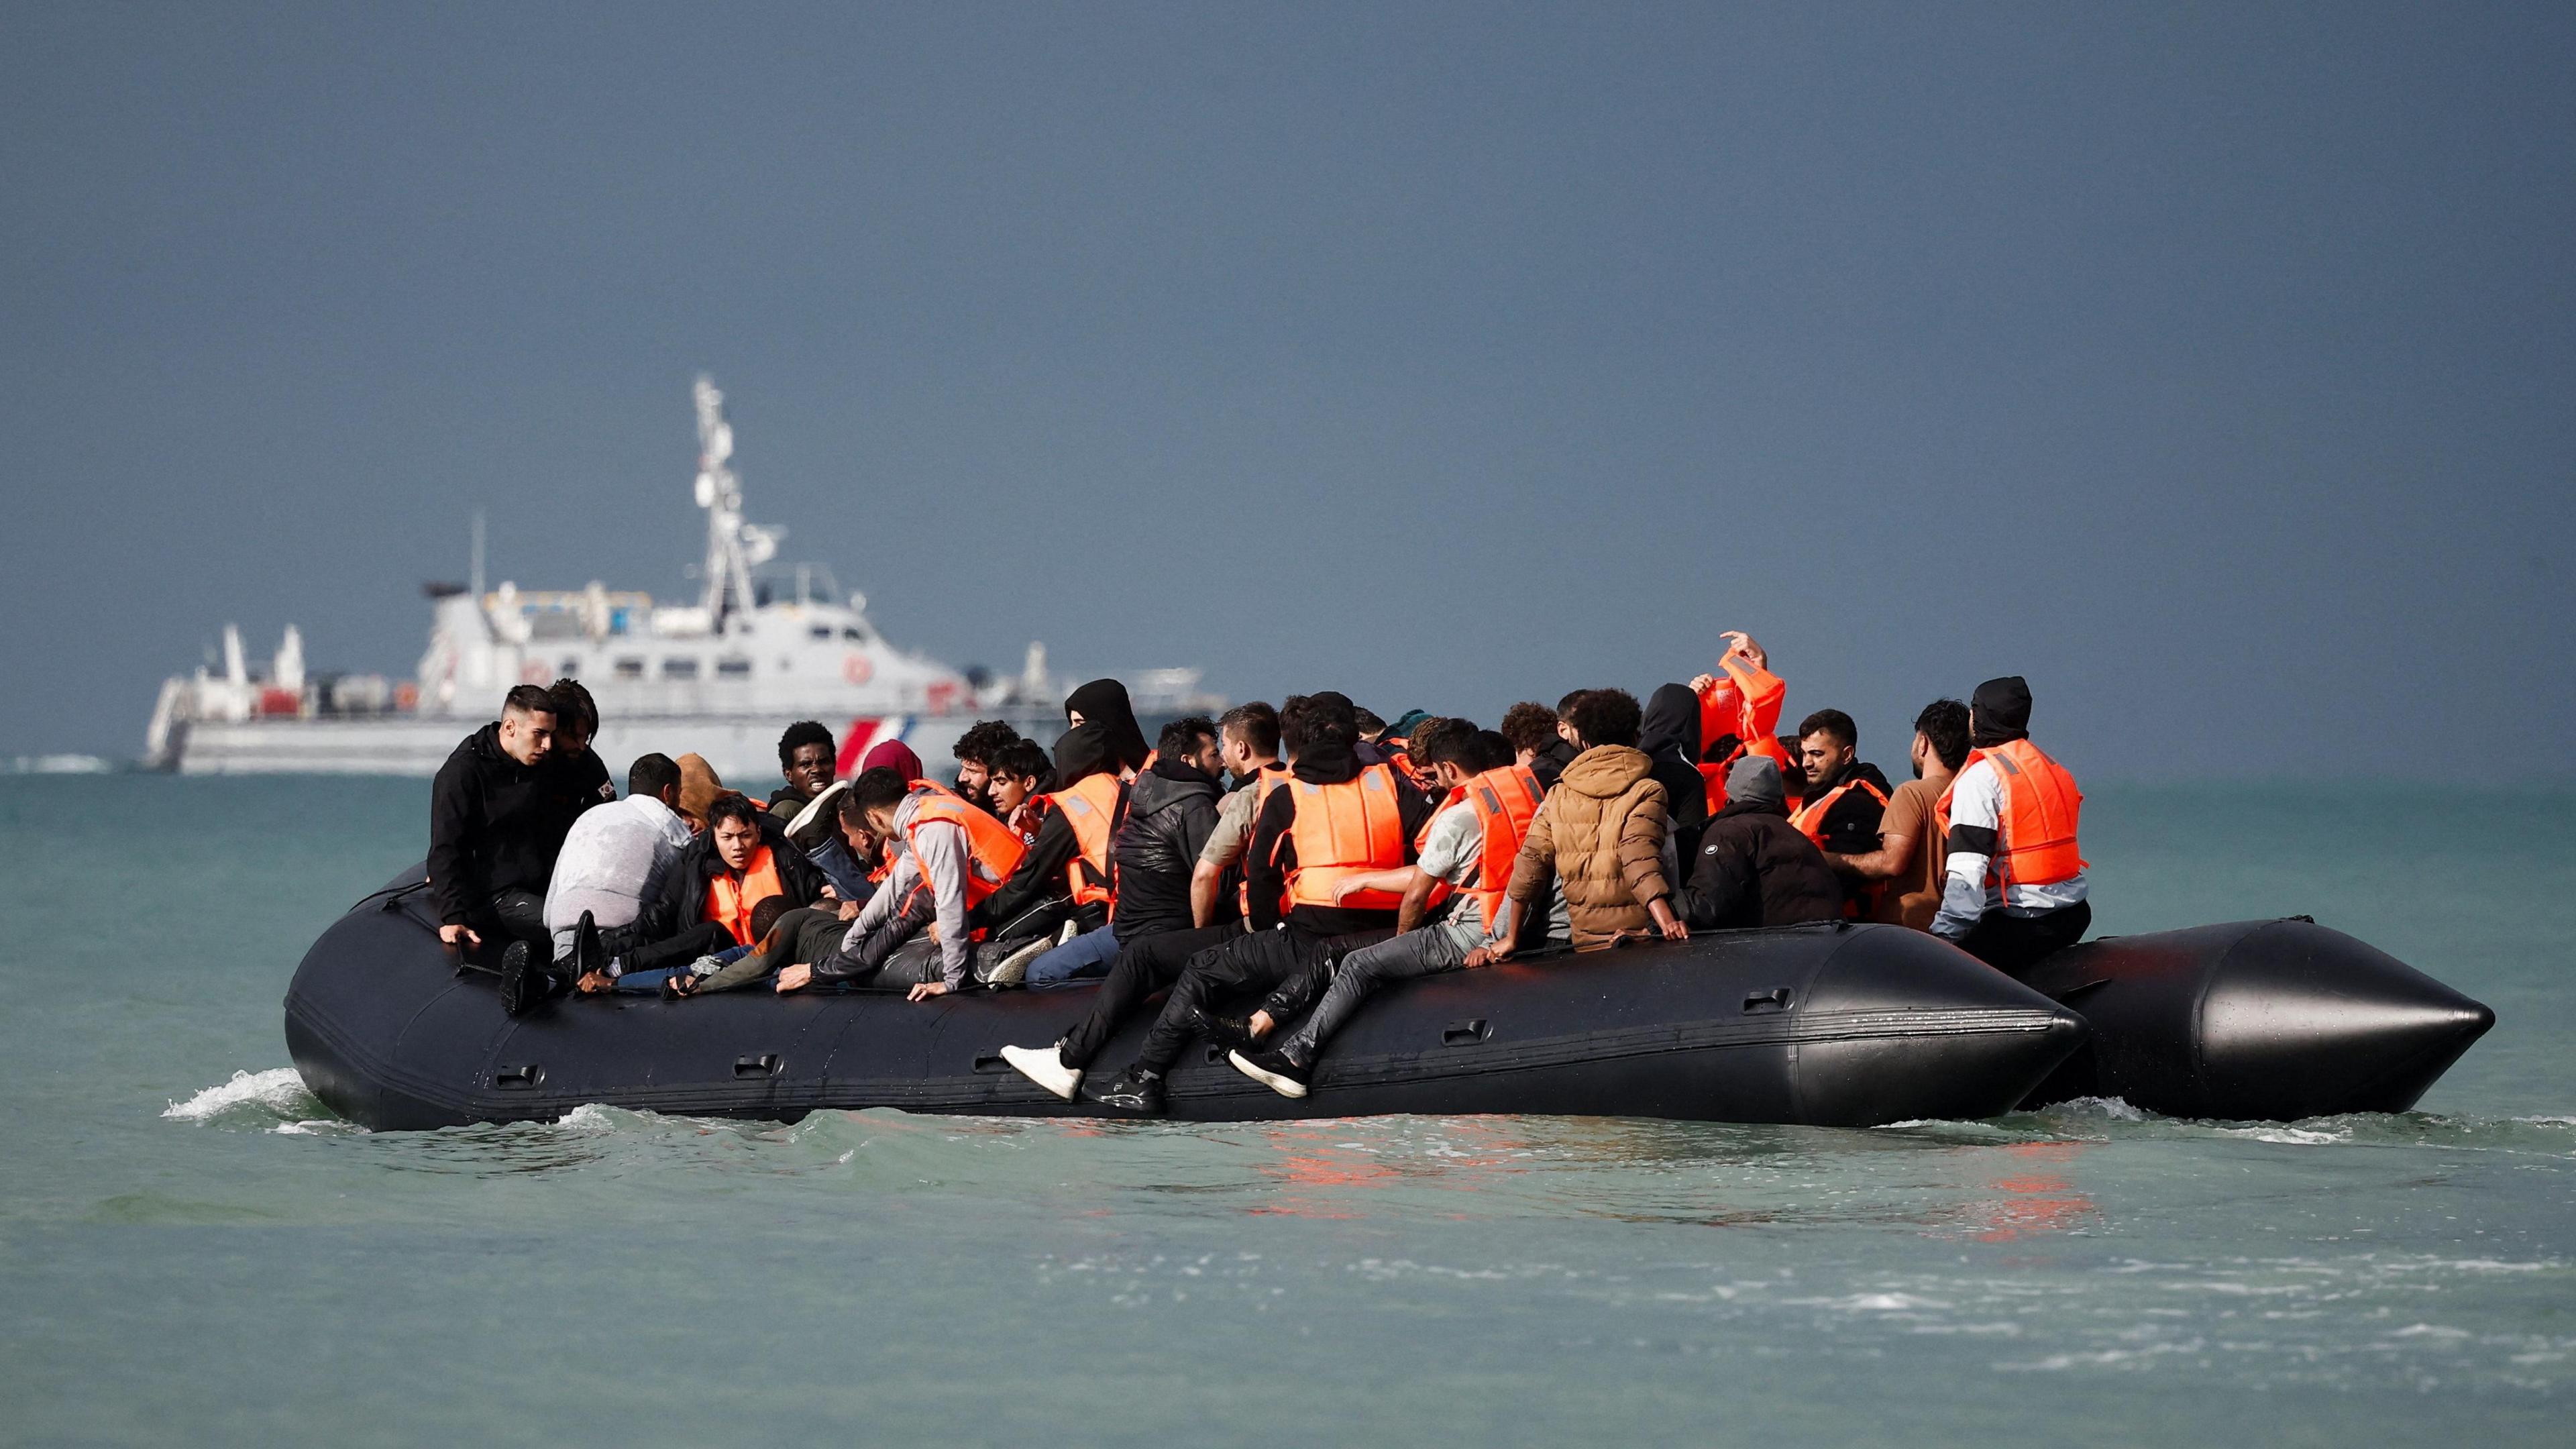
point(574, 705)
point(1309, 720)
point(1945, 723)
point(1498, 750)
point(1446, 741)
point(528, 699)
point(1368, 722)
point(1021, 760)
point(984, 742)
point(1256, 724)
point(765, 913)
point(1830, 722)
point(732, 805)
point(1529, 725)
point(847, 811)
point(1606, 717)
point(800, 734)
point(1565, 706)
point(882, 788)
point(1182, 735)
point(651, 775)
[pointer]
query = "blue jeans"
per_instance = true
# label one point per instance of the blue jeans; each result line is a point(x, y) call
point(1088, 954)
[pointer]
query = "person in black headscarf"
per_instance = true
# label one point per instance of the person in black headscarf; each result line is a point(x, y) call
point(1103, 702)
point(1669, 735)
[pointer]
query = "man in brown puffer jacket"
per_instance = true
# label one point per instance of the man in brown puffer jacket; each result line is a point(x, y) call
point(1601, 831)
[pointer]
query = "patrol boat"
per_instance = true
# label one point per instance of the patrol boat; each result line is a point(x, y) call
point(764, 644)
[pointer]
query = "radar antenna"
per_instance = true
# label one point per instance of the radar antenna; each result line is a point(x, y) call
point(734, 548)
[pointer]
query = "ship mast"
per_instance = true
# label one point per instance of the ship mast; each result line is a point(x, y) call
point(734, 547)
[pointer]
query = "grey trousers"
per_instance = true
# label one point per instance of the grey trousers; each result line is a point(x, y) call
point(1427, 951)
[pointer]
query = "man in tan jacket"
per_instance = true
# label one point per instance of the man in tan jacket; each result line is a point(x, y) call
point(1601, 831)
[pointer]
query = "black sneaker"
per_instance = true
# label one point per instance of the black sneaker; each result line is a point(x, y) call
point(1136, 1091)
point(1280, 1069)
point(1226, 1033)
point(521, 987)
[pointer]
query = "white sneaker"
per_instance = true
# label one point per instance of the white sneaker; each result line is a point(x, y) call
point(1044, 1066)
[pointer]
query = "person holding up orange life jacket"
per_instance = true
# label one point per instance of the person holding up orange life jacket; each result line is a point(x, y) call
point(1739, 708)
point(1841, 803)
point(1467, 848)
point(2015, 891)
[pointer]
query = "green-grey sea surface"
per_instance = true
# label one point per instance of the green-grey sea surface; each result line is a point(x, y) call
point(190, 1252)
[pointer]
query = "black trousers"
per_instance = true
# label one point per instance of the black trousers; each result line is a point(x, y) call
point(1291, 965)
point(703, 939)
point(512, 915)
point(2014, 944)
point(1144, 966)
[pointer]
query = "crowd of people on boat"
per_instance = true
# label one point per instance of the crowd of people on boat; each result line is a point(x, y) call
point(1262, 873)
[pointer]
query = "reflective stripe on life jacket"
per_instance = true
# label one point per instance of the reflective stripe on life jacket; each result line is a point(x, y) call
point(993, 845)
point(730, 901)
point(1504, 800)
point(1341, 830)
point(1090, 806)
point(2035, 824)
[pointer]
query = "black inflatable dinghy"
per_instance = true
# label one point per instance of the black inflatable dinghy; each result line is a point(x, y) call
point(1834, 1024)
point(1829, 1024)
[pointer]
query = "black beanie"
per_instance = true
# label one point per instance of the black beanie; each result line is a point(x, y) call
point(2002, 709)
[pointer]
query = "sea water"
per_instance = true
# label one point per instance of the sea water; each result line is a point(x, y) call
point(192, 1251)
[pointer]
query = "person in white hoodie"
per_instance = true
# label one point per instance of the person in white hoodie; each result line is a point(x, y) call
point(613, 861)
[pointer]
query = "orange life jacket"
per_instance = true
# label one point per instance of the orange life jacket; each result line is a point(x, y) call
point(1745, 704)
point(2037, 820)
point(1860, 899)
point(1810, 817)
point(992, 844)
point(730, 901)
point(1347, 829)
point(1402, 760)
point(1504, 800)
point(1090, 806)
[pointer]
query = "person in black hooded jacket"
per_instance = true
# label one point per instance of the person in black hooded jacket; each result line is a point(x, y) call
point(1103, 702)
point(1669, 734)
point(1753, 867)
point(498, 813)
point(1038, 898)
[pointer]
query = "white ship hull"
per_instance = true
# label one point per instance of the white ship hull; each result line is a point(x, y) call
point(743, 750)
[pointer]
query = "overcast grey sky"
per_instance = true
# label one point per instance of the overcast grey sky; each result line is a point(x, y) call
point(2209, 365)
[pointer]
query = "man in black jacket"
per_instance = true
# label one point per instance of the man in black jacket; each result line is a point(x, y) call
point(1754, 868)
point(498, 813)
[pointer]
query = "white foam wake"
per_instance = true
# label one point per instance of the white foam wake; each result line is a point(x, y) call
point(278, 1091)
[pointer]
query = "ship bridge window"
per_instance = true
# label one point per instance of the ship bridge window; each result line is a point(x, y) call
point(630, 669)
point(854, 633)
point(819, 631)
point(572, 669)
point(733, 668)
point(677, 668)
